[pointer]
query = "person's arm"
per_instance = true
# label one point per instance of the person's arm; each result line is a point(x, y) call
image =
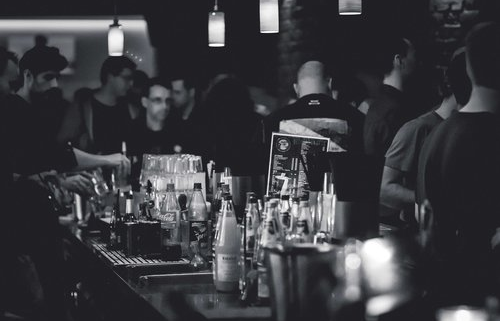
point(392, 192)
point(87, 161)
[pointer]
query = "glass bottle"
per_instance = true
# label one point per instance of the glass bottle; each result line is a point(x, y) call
point(270, 235)
point(199, 229)
point(129, 208)
point(227, 249)
point(170, 217)
point(303, 231)
point(284, 216)
point(115, 226)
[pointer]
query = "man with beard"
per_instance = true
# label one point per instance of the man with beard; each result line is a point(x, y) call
point(32, 153)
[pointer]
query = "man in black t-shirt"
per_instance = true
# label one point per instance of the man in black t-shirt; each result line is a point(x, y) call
point(459, 174)
point(99, 122)
point(392, 108)
point(186, 117)
point(34, 223)
point(316, 110)
point(151, 133)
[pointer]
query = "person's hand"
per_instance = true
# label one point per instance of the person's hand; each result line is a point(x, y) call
point(80, 183)
point(119, 160)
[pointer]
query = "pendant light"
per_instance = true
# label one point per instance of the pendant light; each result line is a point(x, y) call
point(115, 37)
point(350, 7)
point(269, 16)
point(216, 27)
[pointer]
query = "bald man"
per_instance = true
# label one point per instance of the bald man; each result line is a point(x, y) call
point(316, 110)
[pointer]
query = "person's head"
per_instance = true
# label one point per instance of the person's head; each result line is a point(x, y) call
point(157, 99)
point(139, 84)
point(456, 75)
point(40, 68)
point(398, 55)
point(312, 78)
point(8, 71)
point(117, 74)
point(483, 55)
point(183, 92)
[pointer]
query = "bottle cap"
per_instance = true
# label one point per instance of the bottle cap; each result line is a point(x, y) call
point(170, 187)
point(197, 185)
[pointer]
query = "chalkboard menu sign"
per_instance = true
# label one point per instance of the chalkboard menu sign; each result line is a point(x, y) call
point(286, 173)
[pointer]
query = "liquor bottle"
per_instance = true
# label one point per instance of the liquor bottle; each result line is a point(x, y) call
point(129, 208)
point(115, 226)
point(227, 249)
point(170, 217)
point(199, 229)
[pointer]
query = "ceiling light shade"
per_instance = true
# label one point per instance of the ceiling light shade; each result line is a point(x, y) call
point(115, 39)
point(269, 16)
point(216, 28)
point(350, 7)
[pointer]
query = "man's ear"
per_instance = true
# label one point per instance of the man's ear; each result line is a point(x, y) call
point(192, 92)
point(397, 61)
point(144, 102)
point(28, 77)
point(329, 83)
point(296, 89)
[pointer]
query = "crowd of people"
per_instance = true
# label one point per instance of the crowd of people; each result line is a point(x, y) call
point(447, 156)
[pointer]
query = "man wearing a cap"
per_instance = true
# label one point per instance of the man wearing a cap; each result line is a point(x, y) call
point(33, 154)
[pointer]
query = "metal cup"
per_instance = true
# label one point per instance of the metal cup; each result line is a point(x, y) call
point(301, 280)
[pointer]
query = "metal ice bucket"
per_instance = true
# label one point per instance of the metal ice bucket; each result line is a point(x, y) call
point(301, 280)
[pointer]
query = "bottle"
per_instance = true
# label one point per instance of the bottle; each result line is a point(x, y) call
point(304, 231)
point(270, 235)
point(115, 226)
point(227, 249)
point(227, 178)
point(294, 215)
point(129, 208)
point(119, 177)
point(284, 218)
point(217, 202)
point(199, 229)
point(170, 217)
point(251, 224)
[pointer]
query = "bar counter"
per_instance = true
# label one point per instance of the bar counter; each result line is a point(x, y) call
point(144, 290)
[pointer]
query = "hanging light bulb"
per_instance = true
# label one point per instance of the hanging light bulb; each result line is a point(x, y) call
point(350, 7)
point(115, 39)
point(269, 16)
point(216, 27)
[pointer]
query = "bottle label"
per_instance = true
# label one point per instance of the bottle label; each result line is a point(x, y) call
point(285, 219)
point(302, 227)
point(270, 227)
point(262, 283)
point(198, 231)
point(169, 216)
point(227, 268)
